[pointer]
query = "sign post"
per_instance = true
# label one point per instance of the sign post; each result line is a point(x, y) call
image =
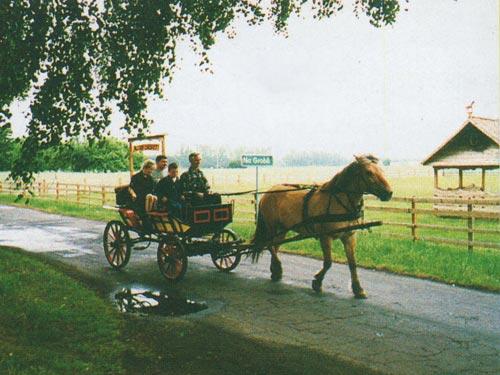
point(256, 161)
point(145, 147)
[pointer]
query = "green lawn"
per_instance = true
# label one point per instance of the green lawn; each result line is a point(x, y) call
point(447, 263)
point(51, 323)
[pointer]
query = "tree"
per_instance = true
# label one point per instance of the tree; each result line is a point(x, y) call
point(75, 59)
point(7, 145)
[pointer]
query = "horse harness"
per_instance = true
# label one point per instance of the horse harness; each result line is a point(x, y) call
point(352, 213)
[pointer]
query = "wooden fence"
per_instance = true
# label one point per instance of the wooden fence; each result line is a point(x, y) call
point(471, 213)
point(99, 195)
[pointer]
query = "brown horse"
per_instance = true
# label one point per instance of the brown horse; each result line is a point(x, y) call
point(333, 205)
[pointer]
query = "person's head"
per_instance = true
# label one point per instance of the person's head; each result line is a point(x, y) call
point(161, 162)
point(173, 170)
point(195, 160)
point(147, 167)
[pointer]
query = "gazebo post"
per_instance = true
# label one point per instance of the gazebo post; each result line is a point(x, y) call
point(436, 182)
point(483, 179)
point(460, 178)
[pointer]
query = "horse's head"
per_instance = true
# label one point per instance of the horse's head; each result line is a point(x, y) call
point(372, 178)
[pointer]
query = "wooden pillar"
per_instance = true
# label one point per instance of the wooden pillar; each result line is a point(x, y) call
point(460, 178)
point(436, 180)
point(131, 158)
point(163, 145)
point(483, 179)
point(470, 228)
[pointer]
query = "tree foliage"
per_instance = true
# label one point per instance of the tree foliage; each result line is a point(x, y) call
point(76, 59)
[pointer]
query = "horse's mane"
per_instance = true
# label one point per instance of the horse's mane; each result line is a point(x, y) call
point(340, 180)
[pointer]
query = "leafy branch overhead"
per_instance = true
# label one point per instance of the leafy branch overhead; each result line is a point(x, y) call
point(75, 59)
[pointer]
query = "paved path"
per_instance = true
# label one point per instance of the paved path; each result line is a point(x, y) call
point(406, 326)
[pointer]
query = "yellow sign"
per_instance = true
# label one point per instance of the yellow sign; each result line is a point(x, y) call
point(147, 147)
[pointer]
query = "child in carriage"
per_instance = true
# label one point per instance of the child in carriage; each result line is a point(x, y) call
point(168, 192)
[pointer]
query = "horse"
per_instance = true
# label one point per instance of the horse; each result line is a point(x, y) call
point(320, 211)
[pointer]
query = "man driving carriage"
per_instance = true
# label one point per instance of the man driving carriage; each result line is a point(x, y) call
point(194, 184)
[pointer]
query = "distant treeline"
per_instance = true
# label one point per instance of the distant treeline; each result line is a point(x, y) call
point(106, 155)
point(111, 155)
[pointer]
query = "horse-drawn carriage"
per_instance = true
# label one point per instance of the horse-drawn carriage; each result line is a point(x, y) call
point(333, 210)
point(199, 230)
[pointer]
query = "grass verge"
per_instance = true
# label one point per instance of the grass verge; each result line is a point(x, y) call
point(451, 264)
point(51, 323)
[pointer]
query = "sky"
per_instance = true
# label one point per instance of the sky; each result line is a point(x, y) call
point(338, 85)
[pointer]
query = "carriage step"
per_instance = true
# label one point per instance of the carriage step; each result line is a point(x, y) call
point(140, 247)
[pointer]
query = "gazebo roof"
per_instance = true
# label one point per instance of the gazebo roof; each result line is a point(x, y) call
point(455, 153)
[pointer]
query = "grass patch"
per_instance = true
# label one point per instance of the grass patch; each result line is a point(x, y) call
point(51, 323)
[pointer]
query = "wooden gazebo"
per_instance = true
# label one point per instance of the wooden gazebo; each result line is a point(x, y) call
point(476, 145)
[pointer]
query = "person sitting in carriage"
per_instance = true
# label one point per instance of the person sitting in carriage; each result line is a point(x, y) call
point(168, 192)
point(142, 185)
point(194, 184)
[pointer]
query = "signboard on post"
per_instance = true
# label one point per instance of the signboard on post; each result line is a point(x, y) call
point(256, 161)
point(132, 147)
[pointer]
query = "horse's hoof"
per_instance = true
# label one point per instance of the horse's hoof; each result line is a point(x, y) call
point(316, 285)
point(276, 277)
point(361, 294)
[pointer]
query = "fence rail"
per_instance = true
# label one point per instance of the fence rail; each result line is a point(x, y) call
point(94, 195)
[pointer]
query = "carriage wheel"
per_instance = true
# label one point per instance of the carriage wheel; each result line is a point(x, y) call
point(222, 261)
point(172, 259)
point(117, 245)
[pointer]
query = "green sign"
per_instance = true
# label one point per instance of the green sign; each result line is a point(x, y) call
point(256, 160)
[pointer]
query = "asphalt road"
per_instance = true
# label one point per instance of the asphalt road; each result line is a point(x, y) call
point(406, 326)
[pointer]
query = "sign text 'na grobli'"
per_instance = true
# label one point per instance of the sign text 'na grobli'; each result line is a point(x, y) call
point(256, 160)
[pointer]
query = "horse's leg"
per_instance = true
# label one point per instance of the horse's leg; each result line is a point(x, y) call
point(326, 246)
point(276, 269)
point(349, 242)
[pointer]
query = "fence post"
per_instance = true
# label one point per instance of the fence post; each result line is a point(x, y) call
point(39, 189)
point(470, 228)
point(103, 194)
point(57, 190)
point(77, 193)
point(413, 219)
point(1, 186)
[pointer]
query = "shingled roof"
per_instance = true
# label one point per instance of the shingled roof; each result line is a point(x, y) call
point(456, 152)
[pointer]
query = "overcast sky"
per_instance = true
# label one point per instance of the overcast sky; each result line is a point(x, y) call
point(338, 85)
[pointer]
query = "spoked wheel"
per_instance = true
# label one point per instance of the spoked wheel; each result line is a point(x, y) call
point(224, 257)
point(172, 259)
point(117, 245)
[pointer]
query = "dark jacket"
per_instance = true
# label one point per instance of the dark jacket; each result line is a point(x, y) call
point(168, 188)
point(194, 181)
point(142, 185)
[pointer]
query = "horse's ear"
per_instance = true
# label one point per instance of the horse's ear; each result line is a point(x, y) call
point(359, 158)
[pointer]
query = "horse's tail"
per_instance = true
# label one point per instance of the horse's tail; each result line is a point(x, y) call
point(260, 237)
